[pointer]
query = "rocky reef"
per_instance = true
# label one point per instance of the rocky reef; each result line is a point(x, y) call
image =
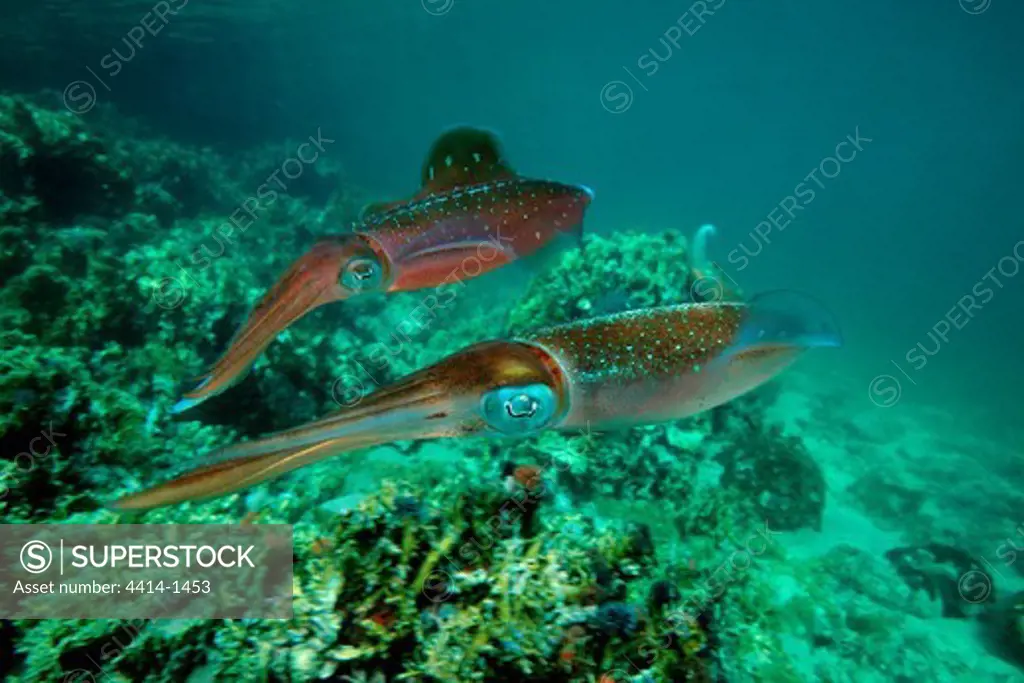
point(654, 554)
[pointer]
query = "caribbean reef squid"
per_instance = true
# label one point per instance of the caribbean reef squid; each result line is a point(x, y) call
point(631, 368)
point(471, 204)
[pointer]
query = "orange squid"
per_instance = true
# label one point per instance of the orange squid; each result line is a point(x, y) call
point(472, 215)
point(618, 371)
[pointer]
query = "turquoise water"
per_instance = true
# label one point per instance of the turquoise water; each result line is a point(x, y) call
point(867, 154)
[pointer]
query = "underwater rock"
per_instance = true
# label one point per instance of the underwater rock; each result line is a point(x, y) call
point(344, 504)
point(883, 498)
point(53, 168)
point(607, 584)
point(686, 440)
point(1007, 622)
point(948, 574)
point(662, 594)
point(608, 274)
point(641, 544)
point(155, 200)
point(616, 619)
point(778, 474)
point(409, 507)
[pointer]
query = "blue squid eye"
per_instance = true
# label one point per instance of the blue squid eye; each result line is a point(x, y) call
point(518, 410)
point(361, 274)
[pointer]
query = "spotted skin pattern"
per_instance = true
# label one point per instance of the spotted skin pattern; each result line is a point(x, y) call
point(472, 215)
point(651, 365)
point(475, 229)
point(635, 368)
point(644, 344)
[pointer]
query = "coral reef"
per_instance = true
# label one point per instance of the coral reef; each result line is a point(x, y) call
point(939, 569)
point(654, 554)
point(143, 284)
point(607, 274)
point(779, 474)
point(448, 591)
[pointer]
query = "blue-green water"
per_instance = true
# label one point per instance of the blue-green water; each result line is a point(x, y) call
point(722, 130)
point(867, 153)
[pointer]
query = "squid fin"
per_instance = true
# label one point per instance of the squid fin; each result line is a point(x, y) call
point(463, 156)
point(458, 157)
point(376, 209)
point(785, 318)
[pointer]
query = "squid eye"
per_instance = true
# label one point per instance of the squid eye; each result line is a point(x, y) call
point(521, 406)
point(361, 274)
point(518, 410)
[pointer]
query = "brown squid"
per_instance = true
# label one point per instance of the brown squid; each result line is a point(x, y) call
point(617, 371)
point(472, 215)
